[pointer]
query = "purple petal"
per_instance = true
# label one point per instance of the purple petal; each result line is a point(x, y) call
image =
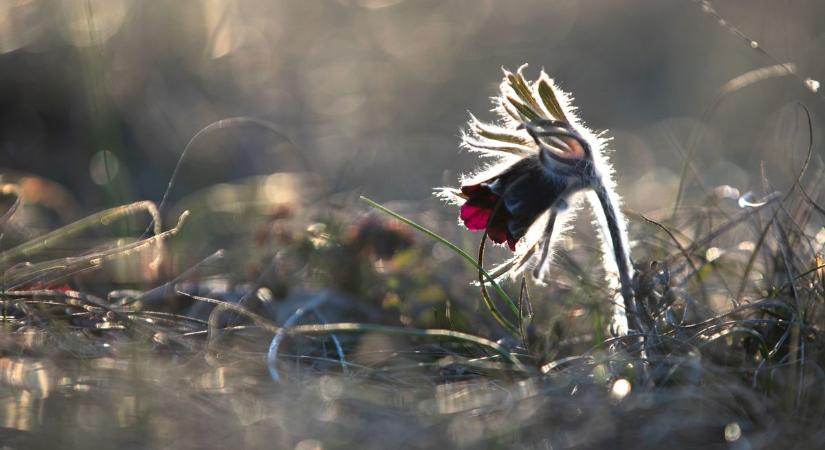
point(475, 218)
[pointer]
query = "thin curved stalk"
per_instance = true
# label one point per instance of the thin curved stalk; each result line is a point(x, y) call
point(616, 236)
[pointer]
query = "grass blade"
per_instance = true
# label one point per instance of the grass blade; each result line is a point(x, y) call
point(493, 310)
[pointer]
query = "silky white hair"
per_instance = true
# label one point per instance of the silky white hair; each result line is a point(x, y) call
point(507, 141)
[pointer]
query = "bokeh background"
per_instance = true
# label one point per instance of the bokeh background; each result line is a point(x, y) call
point(101, 96)
point(99, 99)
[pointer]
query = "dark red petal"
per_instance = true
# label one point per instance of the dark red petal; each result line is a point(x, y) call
point(475, 217)
point(477, 214)
point(497, 234)
point(470, 189)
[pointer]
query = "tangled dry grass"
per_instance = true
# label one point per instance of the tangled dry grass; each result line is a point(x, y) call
point(322, 328)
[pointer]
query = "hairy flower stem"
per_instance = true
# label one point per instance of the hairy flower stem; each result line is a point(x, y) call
point(616, 235)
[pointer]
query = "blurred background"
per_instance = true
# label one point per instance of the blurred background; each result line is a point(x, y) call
point(101, 96)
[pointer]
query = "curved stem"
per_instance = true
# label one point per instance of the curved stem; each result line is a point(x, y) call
point(616, 235)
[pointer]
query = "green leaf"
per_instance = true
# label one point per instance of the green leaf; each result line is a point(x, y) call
point(523, 109)
point(548, 97)
point(520, 87)
point(502, 135)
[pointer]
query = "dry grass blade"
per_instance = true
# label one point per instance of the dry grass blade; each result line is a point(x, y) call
point(757, 75)
point(448, 335)
point(103, 218)
point(13, 190)
point(50, 271)
point(272, 353)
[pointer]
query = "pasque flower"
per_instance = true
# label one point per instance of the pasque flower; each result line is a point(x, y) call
point(544, 161)
point(509, 202)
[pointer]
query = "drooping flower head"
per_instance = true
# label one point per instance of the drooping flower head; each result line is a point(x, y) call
point(543, 160)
